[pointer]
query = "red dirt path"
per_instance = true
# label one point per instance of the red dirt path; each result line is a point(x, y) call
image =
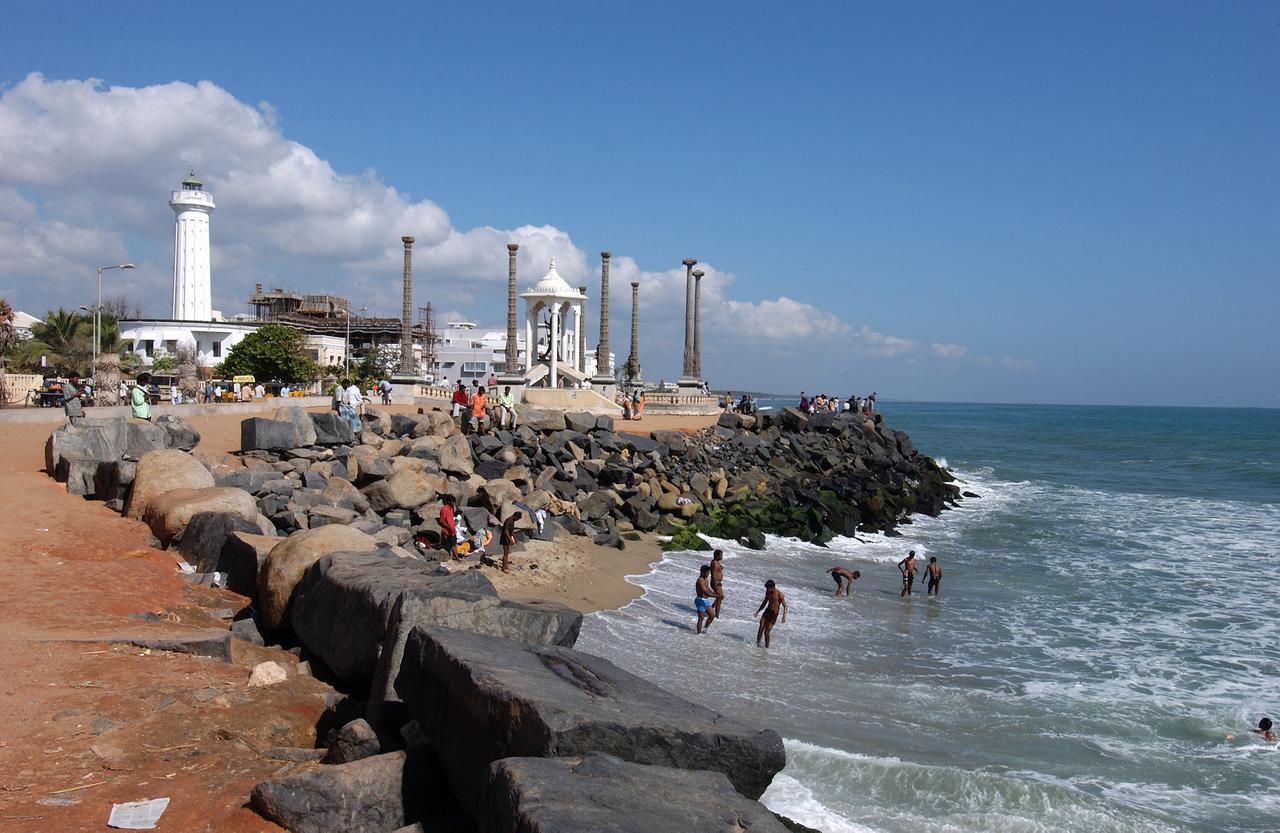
point(84, 722)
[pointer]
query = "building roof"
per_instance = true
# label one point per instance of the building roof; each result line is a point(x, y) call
point(23, 320)
point(552, 285)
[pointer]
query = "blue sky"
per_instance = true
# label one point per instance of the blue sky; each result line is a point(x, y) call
point(1028, 202)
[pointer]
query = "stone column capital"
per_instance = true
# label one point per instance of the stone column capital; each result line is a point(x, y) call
point(606, 255)
point(407, 240)
point(513, 247)
point(689, 262)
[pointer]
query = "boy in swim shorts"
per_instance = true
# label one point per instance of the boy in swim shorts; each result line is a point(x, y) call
point(907, 567)
point(773, 602)
point(933, 577)
point(703, 600)
point(844, 579)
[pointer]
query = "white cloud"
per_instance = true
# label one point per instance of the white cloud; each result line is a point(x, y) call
point(86, 170)
point(1017, 365)
point(949, 351)
point(885, 346)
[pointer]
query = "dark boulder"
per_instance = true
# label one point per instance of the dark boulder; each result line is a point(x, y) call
point(580, 421)
point(269, 434)
point(104, 440)
point(534, 623)
point(351, 742)
point(202, 540)
point(373, 795)
point(182, 435)
point(469, 691)
point(342, 604)
point(331, 429)
point(601, 792)
point(144, 437)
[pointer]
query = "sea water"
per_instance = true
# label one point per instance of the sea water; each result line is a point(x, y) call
point(1110, 613)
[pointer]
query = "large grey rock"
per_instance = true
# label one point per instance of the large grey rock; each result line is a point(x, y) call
point(373, 795)
point(340, 492)
point(601, 792)
point(111, 481)
point(533, 622)
point(257, 433)
point(469, 691)
point(168, 514)
point(343, 602)
point(455, 456)
point(673, 440)
point(145, 437)
point(331, 429)
point(205, 535)
point(91, 439)
point(580, 421)
point(242, 557)
point(286, 563)
point(405, 489)
point(542, 420)
point(351, 742)
point(301, 420)
point(182, 434)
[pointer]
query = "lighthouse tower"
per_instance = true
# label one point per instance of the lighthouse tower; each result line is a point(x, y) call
point(192, 293)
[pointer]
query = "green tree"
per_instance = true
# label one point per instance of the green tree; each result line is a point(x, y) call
point(377, 364)
point(274, 352)
point(64, 338)
point(8, 337)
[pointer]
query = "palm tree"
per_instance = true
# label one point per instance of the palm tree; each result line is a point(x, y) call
point(62, 339)
point(8, 335)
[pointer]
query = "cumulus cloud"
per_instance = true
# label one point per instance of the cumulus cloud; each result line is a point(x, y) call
point(885, 346)
point(949, 351)
point(1017, 365)
point(85, 175)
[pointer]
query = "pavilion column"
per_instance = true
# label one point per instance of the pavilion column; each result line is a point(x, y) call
point(578, 322)
point(406, 311)
point(554, 342)
point(697, 323)
point(633, 361)
point(687, 372)
point(602, 349)
point(530, 347)
point(512, 348)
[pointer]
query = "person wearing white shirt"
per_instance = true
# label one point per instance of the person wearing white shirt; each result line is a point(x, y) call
point(260, 391)
point(349, 404)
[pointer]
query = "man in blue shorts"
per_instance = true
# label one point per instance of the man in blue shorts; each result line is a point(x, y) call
point(704, 600)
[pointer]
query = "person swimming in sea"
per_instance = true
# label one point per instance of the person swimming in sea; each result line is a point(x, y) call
point(703, 599)
point(1265, 730)
point(844, 579)
point(773, 602)
point(933, 577)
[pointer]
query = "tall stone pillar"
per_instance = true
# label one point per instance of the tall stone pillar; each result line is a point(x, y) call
point(513, 354)
point(554, 341)
point(580, 323)
point(604, 371)
point(697, 323)
point(406, 312)
point(633, 361)
point(686, 373)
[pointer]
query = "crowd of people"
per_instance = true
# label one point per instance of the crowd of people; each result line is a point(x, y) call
point(632, 404)
point(708, 592)
point(481, 414)
point(822, 402)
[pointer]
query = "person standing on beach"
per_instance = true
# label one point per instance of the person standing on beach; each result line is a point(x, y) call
point(773, 602)
point(933, 577)
point(703, 600)
point(139, 401)
point(448, 525)
point(844, 580)
point(509, 539)
point(717, 579)
point(907, 567)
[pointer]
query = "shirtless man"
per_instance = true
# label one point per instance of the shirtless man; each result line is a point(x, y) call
point(933, 577)
point(703, 599)
point(907, 567)
point(1264, 730)
point(717, 579)
point(844, 579)
point(509, 539)
point(773, 600)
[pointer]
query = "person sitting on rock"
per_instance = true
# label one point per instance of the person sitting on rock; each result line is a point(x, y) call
point(459, 401)
point(507, 409)
point(479, 412)
point(448, 524)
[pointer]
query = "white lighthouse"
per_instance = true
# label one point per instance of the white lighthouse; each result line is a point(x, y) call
point(192, 292)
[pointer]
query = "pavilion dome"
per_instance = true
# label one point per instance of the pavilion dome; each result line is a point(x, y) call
point(553, 285)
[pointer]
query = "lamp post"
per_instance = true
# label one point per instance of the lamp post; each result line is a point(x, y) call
point(346, 348)
point(97, 314)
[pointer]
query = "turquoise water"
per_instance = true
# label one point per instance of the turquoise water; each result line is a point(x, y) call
point(1109, 615)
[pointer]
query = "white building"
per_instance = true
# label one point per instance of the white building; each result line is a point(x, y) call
point(555, 360)
point(23, 322)
point(192, 272)
point(161, 336)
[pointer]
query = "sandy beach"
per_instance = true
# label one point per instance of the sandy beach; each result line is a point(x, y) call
point(86, 721)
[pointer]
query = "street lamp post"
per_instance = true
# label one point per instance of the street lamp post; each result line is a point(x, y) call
point(97, 315)
point(346, 349)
